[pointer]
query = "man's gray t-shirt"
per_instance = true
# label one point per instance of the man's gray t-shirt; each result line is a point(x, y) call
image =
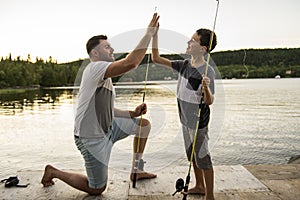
point(95, 106)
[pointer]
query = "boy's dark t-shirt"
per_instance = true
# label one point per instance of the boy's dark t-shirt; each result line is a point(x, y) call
point(189, 91)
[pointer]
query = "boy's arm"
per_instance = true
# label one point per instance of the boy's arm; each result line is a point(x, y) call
point(208, 96)
point(155, 53)
point(133, 59)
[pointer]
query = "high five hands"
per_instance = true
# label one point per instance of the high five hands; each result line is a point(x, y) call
point(153, 25)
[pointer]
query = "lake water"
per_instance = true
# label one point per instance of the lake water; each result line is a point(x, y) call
point(254, 121)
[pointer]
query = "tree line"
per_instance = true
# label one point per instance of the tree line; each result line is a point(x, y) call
point(245, 63)
point(24, 73)
point(258, 63)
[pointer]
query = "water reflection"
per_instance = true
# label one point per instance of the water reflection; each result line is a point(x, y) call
point(16, 101)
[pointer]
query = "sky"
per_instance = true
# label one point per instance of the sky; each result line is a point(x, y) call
point(61, 28)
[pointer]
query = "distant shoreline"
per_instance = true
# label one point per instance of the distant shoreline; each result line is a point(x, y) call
point(157, 82)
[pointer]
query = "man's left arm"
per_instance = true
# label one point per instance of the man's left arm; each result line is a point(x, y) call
point(139, 110)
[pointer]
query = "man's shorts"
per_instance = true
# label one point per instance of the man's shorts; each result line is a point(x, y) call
point(96, 151)
point(201, 153)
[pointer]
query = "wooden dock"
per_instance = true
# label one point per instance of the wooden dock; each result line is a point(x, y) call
point(269, 182)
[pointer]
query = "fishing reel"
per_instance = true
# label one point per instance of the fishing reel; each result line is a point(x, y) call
point(179, 186)
point(182, 187)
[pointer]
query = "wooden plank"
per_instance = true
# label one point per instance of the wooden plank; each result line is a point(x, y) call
point(163, 185)
point(275, 172)
point(288, 189)
point(236, 178)
point(283, 180)
point(117, 188)
point(247, 196)
point(35, 189)
point(227, 178)
point(231, 182)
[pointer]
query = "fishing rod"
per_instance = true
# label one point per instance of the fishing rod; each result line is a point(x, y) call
point(180, 182)
point(139, 163)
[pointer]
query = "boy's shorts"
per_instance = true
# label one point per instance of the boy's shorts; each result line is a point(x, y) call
point(96, 151)
point(201, 153)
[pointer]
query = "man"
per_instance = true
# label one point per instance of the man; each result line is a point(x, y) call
point(98, 125)
point(192, 78)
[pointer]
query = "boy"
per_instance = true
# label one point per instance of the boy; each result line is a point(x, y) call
point(192, 78)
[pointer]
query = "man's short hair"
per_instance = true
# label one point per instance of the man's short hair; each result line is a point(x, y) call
point(94, 41)
point(205, 38)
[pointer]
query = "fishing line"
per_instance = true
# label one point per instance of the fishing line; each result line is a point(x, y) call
point(244, 63)
point(185, 188)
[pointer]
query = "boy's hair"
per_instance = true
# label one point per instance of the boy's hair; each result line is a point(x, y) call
point(205, 38)
point(94, 41)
